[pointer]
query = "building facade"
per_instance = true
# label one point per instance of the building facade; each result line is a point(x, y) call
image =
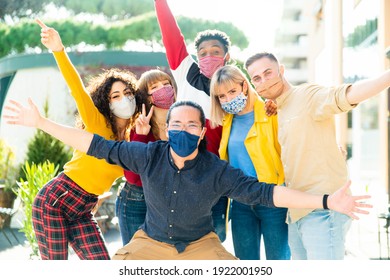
point(349, 41)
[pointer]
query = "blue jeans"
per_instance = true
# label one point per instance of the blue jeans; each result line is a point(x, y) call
point(219, 217)
point(319, 236)
point(130, 208)
point(250, 223)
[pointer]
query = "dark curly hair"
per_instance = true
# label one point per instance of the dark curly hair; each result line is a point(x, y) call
point(99, 88)
point(213, 34)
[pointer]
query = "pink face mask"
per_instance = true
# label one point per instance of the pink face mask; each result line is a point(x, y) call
point(209, 64)
point(163, 97)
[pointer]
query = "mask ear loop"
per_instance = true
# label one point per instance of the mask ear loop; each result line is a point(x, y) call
point(202, 134)
point(246, 93)
point(151, 99)
point(224, 58)
point(231, 60)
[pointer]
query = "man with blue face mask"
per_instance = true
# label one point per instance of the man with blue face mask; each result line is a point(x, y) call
point(181, 184)
point(193, 79)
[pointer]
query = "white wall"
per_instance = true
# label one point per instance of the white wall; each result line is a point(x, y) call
point(39, 84)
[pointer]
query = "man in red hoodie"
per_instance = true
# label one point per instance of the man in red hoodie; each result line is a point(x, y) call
point(193, 80)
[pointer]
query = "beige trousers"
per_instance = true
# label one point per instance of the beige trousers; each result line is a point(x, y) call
point(142, 247)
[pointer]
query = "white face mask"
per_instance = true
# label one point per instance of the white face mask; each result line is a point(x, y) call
point(124, 108)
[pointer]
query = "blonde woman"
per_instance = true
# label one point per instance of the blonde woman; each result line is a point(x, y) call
point(249, 142)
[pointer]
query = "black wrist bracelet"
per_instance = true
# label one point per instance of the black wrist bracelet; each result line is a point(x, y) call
point(325, 201)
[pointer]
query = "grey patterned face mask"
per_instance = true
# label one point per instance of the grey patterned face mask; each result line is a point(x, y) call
point(236, 105)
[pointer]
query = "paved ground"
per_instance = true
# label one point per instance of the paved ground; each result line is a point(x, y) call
point(362, 240)
point(21, 251)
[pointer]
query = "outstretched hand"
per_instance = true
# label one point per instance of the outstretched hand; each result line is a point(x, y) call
point(26, 116)
point(50, 37)
point(341, 201)
point(142, 125)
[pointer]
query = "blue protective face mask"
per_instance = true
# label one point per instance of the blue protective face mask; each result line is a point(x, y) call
point(182, 142)
point(236, 105)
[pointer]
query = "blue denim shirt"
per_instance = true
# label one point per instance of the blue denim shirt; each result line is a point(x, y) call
point(179, 201)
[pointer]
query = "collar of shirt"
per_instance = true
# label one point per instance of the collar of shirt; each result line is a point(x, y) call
point(188, 164)
point(282, 98)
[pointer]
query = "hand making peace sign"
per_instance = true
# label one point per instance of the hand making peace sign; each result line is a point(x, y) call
point(50, 37)
point(142, 125)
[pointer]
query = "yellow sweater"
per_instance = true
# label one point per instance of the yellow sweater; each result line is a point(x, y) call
point(93, 175)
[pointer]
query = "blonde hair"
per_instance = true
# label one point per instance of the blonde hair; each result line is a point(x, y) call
point(226, 75)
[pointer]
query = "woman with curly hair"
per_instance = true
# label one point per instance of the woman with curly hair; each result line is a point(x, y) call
point(62, 210)
point(156, 89)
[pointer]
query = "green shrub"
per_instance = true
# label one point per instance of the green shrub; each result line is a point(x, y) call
point(8, 169)
point(37, 175)
point(43, 147)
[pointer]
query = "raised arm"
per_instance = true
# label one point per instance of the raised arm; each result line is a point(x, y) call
point(368, 88)
point(172, 37)
point(30, 116)
point(51, 39)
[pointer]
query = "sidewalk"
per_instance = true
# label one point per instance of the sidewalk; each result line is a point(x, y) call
point(362, 241)
point(21, 251)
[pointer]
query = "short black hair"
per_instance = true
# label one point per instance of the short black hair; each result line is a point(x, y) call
point(203, 142)
point(213, 34)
